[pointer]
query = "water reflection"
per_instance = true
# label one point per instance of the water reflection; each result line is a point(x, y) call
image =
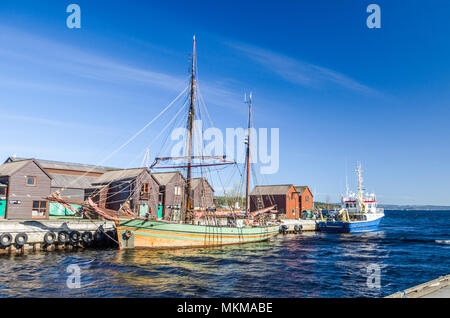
point(306, 265)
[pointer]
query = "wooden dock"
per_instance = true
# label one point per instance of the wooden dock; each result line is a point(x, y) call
point(438, 288)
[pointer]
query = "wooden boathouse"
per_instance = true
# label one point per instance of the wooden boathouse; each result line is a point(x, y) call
point(306, 198)
point(135, 187)
point(286, 197)
point(171, 194)
point(202, 194)
point(72, 179)
point(25, 183)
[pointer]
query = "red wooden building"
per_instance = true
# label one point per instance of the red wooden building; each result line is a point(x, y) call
point(286, 197)
point(306, 198)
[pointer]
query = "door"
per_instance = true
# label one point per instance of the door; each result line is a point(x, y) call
point(2, 208)
point(160, 211)
point(143, 210)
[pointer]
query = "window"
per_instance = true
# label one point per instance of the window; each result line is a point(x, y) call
point(3, 191)
point(307, 199)
point(31, 181)
point(39, 209)
point(145, 191)
point(177, 190)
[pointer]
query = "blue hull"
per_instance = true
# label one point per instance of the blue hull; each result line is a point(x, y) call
point(349, 227)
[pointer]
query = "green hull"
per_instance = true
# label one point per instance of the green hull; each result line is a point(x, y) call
point(157, 234)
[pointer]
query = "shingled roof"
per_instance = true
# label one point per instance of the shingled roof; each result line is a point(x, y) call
point(71, 181)
point(196, 181)
point(119, 175)
point(271, 189)
point(163, 178)
point(9, 168)
point(301, 189)
point(49, 164)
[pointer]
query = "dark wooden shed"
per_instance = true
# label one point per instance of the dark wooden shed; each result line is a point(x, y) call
point(202, 194)
point(135, 186)
point(27, 184)
point(171, 195)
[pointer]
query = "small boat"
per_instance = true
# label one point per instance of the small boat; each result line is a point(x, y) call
point(359, 213)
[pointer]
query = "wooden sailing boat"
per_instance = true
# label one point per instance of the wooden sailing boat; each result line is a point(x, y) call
point(139, 232)
point(135, 232)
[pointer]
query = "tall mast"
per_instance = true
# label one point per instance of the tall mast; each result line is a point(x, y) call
point(248, 153)
point(191, 130)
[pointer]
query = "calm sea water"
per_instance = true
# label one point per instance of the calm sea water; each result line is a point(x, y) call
point(409, 249)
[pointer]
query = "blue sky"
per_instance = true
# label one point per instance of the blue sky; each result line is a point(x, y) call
point(338, 91)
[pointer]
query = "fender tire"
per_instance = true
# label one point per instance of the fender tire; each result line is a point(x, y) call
point(21, 239)
point(5, 243)
point(63, 237)
point(50, 238)
point(87, 237)
point(74, 236)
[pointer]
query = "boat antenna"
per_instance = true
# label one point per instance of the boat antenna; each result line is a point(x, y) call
point(248, 154)
point(191, 131)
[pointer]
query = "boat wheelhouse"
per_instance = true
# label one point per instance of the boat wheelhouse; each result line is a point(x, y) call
point(359, 212)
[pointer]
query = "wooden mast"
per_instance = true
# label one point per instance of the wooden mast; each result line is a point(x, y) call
point(248, 154)
point(191, 131)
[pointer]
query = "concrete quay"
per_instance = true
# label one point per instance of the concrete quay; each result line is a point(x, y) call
point(18, 236)
point(438, 288)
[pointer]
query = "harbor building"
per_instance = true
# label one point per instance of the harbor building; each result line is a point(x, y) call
point(171, 194)
point(135, 187)
point(306, 199)
point(286, 197)
point(24, 185)
point(71, 179)
point(202, 194)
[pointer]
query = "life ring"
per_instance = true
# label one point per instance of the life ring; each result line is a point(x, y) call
point(74, 236)
point(5, 240)
point(63, 237)
point(49, 238)
point(21, 239)
point(87, 237)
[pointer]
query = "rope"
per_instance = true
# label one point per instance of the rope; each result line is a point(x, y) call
point(129, 140)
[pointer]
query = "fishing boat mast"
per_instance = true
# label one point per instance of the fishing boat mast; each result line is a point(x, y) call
point(248, 155)
point(360, 189)
point(191, 131)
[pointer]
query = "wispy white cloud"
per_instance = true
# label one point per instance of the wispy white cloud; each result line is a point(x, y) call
point(299, 72)
point(62, 63)
point(73, 61)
